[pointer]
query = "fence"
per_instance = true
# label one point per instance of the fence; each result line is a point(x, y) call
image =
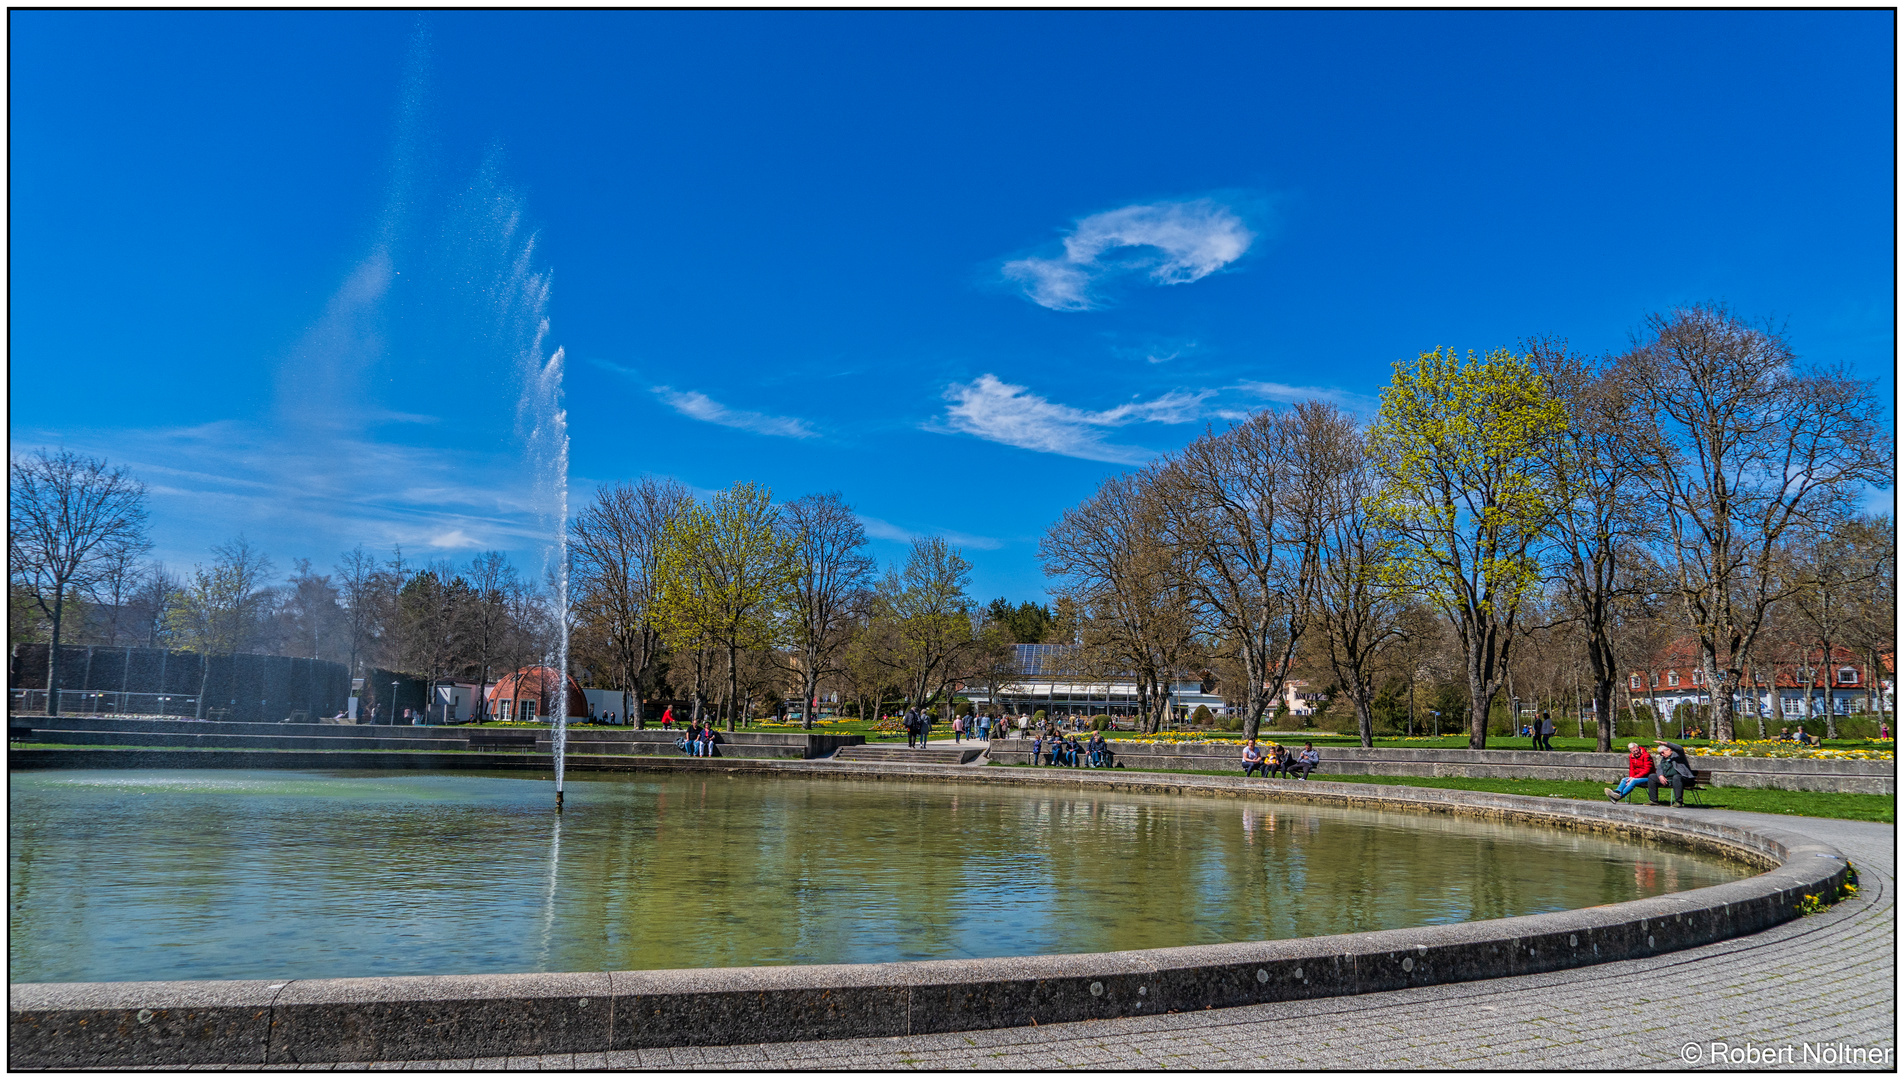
point(102, 703)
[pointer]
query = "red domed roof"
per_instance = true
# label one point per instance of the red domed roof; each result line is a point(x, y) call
point(537, 684)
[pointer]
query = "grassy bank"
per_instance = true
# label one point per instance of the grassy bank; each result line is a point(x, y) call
point(1822, 804)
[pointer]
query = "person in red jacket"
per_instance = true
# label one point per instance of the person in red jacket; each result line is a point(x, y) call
point(1639, 766)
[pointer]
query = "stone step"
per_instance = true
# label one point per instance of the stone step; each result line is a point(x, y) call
point(888, 755)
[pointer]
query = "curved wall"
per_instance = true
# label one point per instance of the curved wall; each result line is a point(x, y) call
point(81, 1025)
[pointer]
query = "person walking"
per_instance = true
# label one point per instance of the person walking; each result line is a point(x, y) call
point(667, 718)
point(958, 728)
point(1546, 740)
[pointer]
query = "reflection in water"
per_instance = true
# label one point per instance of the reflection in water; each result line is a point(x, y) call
point(120, 875)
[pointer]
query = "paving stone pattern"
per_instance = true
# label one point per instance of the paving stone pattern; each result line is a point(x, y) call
point(1826, 979)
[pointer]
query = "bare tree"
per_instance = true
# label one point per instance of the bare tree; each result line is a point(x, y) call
point(221, 607)
point(1358, 610)
point(1250, 562)
point(1874, 630)
point(149, 605)
point(1113, 565)
point(612, 550)
point(357, 587)
point(1596, 532)
point(1835, 566)
point(1744, 446)
point(830, 568)
point(309, 617)
point(70, 521)
point(491, 581)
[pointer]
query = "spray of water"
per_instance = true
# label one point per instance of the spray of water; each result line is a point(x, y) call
point(544, 424)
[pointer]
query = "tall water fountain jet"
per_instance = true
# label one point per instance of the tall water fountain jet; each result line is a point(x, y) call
point(545, 428)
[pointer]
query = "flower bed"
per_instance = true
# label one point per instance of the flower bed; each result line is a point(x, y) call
point(1778, 748)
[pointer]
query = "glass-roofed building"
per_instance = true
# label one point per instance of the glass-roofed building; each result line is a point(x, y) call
point(1047, 679)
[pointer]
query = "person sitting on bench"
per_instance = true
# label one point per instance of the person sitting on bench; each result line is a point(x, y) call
point(1639, 766)
point(1306, 761)
point(1253, 760)
point(1674, 768)
point(1100, 751)
point(1281, 761)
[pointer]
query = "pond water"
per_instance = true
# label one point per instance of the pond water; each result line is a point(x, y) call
point(228, 874)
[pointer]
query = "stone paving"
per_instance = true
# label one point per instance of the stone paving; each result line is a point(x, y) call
point(1815, 983)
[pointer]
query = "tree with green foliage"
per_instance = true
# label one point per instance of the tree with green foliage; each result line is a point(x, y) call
point(1460, 447)
point(923, 626)
point(1027, 624)
point(723, 574)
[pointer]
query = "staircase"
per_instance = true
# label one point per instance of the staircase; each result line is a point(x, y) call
point(899, 755)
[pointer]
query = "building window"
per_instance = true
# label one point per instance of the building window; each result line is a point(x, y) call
point(1634, 683)
point(1791, 706)
point(528, 710)
point(1672, 678)
point(1847, 676)
point(504, 706)
point(1698, 678)
point(1655, 682)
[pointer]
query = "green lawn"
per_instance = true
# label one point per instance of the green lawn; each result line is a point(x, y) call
point(1757, 800)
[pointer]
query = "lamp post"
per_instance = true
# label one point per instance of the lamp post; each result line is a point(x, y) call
point(393, 701)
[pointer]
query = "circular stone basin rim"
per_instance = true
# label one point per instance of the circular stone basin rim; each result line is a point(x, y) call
point(393, 1018)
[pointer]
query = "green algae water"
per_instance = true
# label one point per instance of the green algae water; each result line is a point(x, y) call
point(225, 874)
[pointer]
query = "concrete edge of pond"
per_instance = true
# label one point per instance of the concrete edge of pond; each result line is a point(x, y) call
point(104, 1025)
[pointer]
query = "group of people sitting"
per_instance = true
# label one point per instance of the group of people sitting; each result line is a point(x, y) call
point(1801, 736)
point(1053, 749)
point(698, 740)
point(1668, 764)
point(1279, 761)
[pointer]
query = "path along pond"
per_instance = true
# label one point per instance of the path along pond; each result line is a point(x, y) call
point(226, 874)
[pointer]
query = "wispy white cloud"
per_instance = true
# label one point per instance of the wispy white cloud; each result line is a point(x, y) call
point(1169, 243)
point(993, 409)
point(886, 530)
point(211, 481)
point(1285, 394)
point(698, 406)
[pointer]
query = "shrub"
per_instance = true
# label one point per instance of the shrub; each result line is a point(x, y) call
point(1201, 717)
point(1038, 717)
point(1100, 722)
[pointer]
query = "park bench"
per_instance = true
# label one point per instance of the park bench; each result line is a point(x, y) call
point(1701, 780)
point(502, 740)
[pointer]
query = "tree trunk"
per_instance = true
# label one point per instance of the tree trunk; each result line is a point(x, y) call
point(1480, 697)
point(1831, 713)
point(52, 653)
point(1365, 715)
point(733, 684)
point(1603, 717)
point(809, 690)
point(204, 681)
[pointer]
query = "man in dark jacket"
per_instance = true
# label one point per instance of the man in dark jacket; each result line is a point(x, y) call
point(1675, 768)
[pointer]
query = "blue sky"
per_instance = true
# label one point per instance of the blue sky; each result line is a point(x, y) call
point(958, 266)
